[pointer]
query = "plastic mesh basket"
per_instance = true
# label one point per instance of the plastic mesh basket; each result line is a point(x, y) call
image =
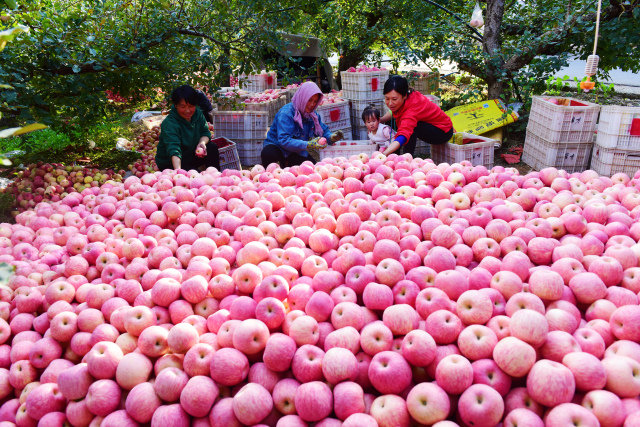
point(347, 149)
point(229, 158)
point(478, 153)
point(619, 127)
point(569, 115)
point(237, 125)
point(363, 86)
point(336, 115)
point(570, 156)
point(609, 161)
point(425, 84)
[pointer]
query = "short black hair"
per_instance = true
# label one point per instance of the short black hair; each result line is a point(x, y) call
point(397, 83)
point(369, 112)
point(185, 92)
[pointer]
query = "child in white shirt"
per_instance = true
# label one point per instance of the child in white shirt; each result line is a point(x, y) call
point(378, 133)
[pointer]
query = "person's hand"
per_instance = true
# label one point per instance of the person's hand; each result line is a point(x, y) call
point(336, 136)
point(201, 150)
point(318, 142)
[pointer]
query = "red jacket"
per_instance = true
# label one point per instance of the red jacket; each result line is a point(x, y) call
point(418, 108)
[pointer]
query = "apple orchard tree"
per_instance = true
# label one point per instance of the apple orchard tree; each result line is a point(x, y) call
point(521, 42)
point(76, 50)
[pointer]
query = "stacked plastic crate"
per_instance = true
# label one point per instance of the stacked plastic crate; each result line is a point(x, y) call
point(617, 147)
point(247, 129)
point(361, 89)
point(257, 82)
point(245, 118)
point(560, 133)
point(334, 112)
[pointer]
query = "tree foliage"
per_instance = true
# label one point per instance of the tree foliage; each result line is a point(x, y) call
point(78, 49)
point(75, 50)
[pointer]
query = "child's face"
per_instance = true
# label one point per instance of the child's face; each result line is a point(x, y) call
point(372, 124)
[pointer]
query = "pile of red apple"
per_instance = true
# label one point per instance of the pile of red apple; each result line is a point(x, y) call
point(332, 97)
point(146, 142)
point(44, 182)
point(146, 164)
point(383, 291)
point(263, 97)
point(365, 69)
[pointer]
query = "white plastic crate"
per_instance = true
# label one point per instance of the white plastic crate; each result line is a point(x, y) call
point(566, 116)
point(364, 86)
point(357, 107)
point(609, 161)
point(434, 99)
point(336, 115)
point(290, 92)
point(478, 153)
point(570, 156)
point(237, 125)
point(249, 151)
point(257, 82)
point(229, 158)
point(359, 132)
point(553, 135)
point(619, 127)
point(348, 148)
point(271, 107)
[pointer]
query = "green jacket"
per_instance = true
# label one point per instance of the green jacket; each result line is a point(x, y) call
point(179, 137)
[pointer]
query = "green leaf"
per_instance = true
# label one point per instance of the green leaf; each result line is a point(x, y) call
point(19, 131)
point(2, 86)
point(8, 35)
point(76, 68)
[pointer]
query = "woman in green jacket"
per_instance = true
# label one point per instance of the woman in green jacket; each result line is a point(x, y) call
point(185, 136)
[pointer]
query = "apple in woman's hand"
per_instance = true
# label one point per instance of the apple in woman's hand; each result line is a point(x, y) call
point(200, 151)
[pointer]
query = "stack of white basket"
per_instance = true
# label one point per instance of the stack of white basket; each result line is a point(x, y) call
point(363, 88)
point(617, 147)
point(335, 114)
point(560, 133)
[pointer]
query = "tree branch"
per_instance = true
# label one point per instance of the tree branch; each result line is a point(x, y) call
point(188, 32)
point(614, 11)
point(549, 43)
point(477, 36)
point(89, 67)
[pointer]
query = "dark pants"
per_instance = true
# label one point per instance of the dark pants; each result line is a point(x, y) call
point(272, 154)
point(428, 133)
point(191, 161)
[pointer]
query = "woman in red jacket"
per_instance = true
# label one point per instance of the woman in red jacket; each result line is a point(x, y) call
point(416, 117)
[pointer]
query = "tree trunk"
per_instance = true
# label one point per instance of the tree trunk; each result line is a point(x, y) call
point(492, 46)
point(495, 88)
